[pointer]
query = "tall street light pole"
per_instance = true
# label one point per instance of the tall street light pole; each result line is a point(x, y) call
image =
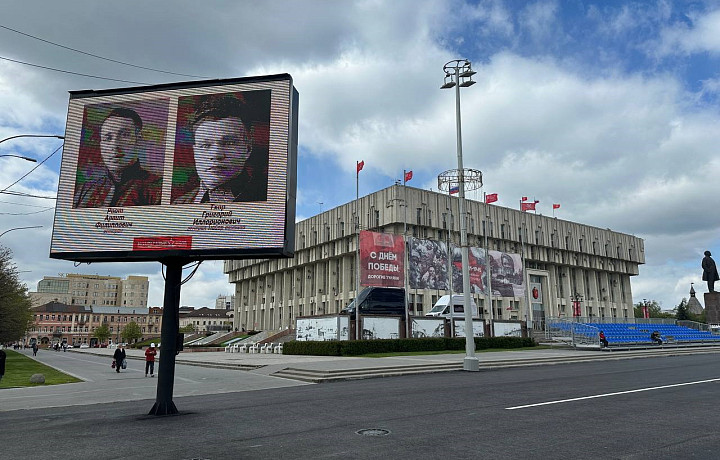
point(459, 73)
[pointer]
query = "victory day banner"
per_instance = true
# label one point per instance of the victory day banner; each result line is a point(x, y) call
point(428, 264)
point(382, 259)
point(476, 269)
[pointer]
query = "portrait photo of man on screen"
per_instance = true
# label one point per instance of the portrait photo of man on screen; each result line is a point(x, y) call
point(114, 159)
point(221, 150)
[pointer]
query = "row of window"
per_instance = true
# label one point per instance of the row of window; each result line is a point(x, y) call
point(96, 318)
point(50, 329)
point(80, 285)
point(208, 323)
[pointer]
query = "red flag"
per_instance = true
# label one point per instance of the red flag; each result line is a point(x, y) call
point(524, 198)
point(408, 176)
point(491, 198)
point(360, 165)
point(454, 190)
point(528, 206)
point(556, 206)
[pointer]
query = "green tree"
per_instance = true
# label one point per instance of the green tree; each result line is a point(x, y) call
point(653, 309)
point(15, 313)
point(187, 329)
point(102, 333)
point(131, 332)
point(683, 313)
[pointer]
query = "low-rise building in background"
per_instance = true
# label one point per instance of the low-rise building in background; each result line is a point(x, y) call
point(76, 289)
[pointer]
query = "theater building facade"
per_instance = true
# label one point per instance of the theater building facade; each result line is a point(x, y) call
point(569, 269)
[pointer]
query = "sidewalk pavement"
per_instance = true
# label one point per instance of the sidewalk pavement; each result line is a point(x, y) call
point(329, 368)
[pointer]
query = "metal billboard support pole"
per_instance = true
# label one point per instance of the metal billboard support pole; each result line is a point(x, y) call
point(164, 404)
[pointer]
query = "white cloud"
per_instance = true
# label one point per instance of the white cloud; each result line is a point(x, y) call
point(701, 35)
point(631, 150)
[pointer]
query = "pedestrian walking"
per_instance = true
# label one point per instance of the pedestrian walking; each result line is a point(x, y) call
point(34, 348)
point(150, 354)
point(119, 357)
point(2, 363)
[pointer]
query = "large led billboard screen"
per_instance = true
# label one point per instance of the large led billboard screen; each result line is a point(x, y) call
point(199, 170)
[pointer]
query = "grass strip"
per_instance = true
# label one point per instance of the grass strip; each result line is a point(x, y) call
point(19, 368)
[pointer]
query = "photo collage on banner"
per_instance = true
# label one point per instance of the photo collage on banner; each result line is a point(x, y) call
point(507, 275)
point(428, 264)
point(477, 270)
point(382, 259)
point(381, 264)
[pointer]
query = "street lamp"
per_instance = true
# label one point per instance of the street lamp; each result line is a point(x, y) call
point(646, 308)
point(18, 156)
point(576, 305)
point(32, 135)
point(19, 228)
point(27, 135)
point(458, 73)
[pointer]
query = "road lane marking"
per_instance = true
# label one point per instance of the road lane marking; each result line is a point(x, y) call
point(560, 401)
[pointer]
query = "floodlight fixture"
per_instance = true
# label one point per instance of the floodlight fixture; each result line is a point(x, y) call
point(448, 84)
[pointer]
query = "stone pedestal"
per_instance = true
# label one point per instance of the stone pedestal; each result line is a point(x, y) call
point(712, 307)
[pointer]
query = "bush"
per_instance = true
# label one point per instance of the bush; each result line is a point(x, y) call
point(363, 347)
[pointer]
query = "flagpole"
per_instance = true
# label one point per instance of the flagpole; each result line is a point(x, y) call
point(526, 278)
point(405, 259)
point(450, 266)
point(358, 334)
point(487, 261)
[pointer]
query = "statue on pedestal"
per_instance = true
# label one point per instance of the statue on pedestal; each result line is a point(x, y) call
point(710, 273)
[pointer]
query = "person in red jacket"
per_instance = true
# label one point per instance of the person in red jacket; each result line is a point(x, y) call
point(603, 339)
point(150, 354)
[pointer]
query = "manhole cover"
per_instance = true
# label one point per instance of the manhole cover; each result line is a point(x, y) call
point(373, 432)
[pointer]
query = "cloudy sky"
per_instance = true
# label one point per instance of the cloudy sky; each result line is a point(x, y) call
point(609, 108)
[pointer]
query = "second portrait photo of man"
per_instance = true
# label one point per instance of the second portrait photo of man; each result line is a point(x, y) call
point(221, 148)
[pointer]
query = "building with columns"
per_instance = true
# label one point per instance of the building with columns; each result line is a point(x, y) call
point(571, 262)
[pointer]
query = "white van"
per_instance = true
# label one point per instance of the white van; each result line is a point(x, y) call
point(442, 307)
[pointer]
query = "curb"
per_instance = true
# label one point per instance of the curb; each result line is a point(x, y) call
point(335, 375)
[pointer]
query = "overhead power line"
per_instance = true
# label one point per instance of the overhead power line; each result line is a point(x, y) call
point(73, 73)
point(99, 57)
point(22, 204)
point(28, 195)
point(25, 213)
point(36, 167)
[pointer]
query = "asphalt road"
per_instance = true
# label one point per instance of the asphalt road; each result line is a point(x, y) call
point(655, 408)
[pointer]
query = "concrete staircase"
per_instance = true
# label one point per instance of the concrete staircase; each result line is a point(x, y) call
point(320, 376)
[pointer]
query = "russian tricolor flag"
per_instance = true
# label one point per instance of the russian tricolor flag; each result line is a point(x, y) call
point(454, 190)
